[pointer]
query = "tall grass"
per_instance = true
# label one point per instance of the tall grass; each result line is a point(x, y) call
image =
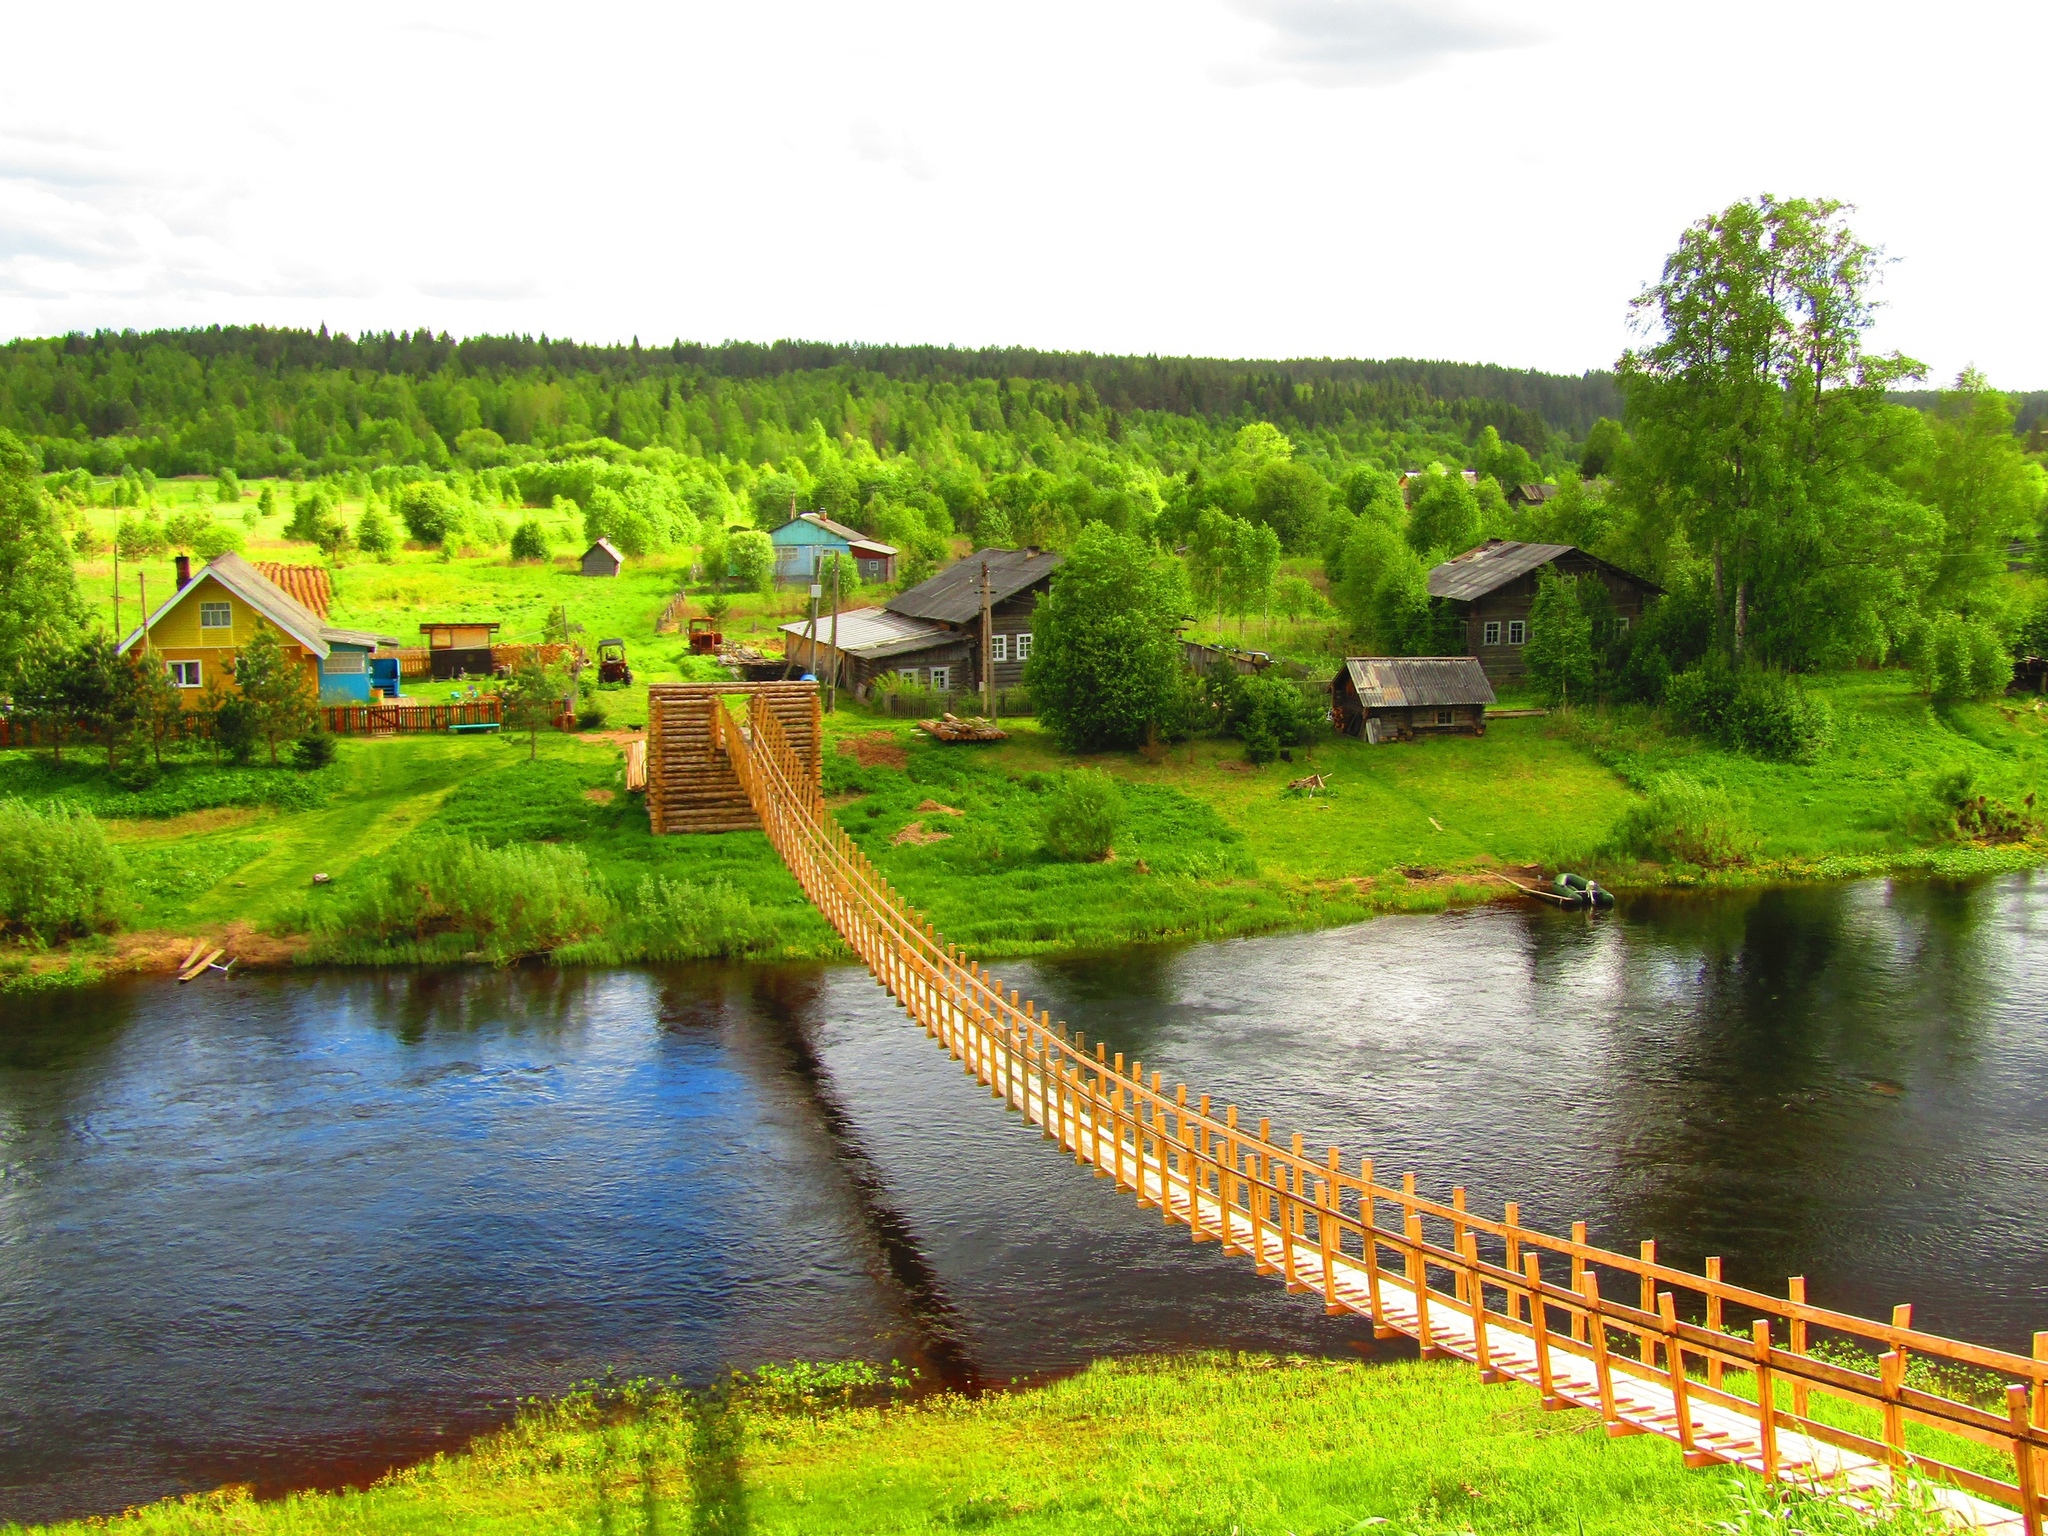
point(683, 919)
point(1685, 821)
point(59, 876)
point(439, 898)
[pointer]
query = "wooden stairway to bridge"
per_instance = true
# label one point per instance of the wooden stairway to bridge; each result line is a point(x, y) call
point(1646, 1346)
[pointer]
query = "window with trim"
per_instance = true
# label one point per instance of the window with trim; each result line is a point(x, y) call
point(1621, 622)
point(907, 672)
point(942, 679)
point(1493, 632)
point(185, 674)
point(1443, 717)
point(1024, 646)
point(216, 616)
point(1518, 632)
point(998, 648)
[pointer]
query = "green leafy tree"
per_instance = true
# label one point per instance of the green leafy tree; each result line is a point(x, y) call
point(275, 690)
point(432, 513)
point(227, 487)
point(376, 534)
point(1291, 499)
point(1212, 557)
point(1384, 592)
point(1508, 463)
point(1977, 476)
point(1559, 653)
point(1755, 410)
point(530, 541)
point(39, 598)
point(1605, 447)
point(1445, 517)
point(1254, 562)
point(533, 700)
point(751, 555)
point(158, 703)
point(1106, 667)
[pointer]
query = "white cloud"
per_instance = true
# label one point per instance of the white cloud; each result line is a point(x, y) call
point(1344, 43)
point(1076, 173)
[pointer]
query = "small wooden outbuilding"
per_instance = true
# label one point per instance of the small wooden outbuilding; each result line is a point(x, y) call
point(1397, 698)
point(459, 650)
point(603, 558)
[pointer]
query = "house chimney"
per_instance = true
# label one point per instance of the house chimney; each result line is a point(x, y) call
point(184, 572)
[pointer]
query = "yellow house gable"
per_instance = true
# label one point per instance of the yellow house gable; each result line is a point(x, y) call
point(207, 614)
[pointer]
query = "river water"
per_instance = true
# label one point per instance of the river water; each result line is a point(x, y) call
point(294, 1229)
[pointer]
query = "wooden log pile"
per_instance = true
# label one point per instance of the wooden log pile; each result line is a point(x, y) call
point(952, 728)
point(691, 786)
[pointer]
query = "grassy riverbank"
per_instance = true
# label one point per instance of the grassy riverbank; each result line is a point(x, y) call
point(1254, 1446)
point(1211, 846)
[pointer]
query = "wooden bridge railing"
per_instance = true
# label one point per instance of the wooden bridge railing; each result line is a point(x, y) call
point(1646, 1345)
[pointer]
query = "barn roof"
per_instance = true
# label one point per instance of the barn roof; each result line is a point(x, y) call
point(954, 595)
point(306, 585)
point(853, 536)
point(1493, 564)
point(1418, 682)
point(609, 548)
point(874, 634)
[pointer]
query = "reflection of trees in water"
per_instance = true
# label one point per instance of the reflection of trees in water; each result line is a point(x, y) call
point(783, 1005)
point(414, 1005)
point(1129, 999)
point(1756, 1057)
point(65, 1031)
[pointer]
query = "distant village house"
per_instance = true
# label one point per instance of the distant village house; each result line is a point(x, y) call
point(199, 629)
point(802, 543)
point(1384, 699)
point(1492, 588)
point(603, 558)
point(931, 634)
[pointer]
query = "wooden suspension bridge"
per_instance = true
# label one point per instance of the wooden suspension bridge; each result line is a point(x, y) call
point(1648, 1347)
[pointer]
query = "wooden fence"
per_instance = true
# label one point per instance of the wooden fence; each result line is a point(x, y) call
point(922, 704)
point(1646, 1346)
point(671, 617)
point(402, 719)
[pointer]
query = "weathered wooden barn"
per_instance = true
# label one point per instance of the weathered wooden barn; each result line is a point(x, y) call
point(1397, 698)
point(604, 558)
point(1492, 588)
point(932, 633)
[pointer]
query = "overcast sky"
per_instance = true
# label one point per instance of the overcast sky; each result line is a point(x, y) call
point(1246, 178)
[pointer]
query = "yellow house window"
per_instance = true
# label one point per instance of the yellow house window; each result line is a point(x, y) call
point(185, 673)
point(216, 616)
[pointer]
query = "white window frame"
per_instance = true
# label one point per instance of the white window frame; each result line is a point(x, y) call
point(942, 679)
point(1491, 632)
point(1443, 717)
point(1621, 623)
point(207, 612)
point(1024, 646)
point(998, 648)
point(1518, 632)
point(179, 671)
point(907, 672)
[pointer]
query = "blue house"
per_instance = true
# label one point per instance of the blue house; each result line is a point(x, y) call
point(800, 542)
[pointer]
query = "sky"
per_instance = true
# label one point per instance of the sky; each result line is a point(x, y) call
point(1479, 181)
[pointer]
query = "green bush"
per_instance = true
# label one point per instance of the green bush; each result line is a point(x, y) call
point(1954, 657)
point(1766, 714)
point(1083, 815)
point(693, 920)
point(1269, 713)
point(1684, 821)
point(313, 752)
point(452, 895)
point(530, 541)
point(59, 876)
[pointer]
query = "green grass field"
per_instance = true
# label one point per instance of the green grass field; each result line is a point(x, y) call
point(1200, 1446)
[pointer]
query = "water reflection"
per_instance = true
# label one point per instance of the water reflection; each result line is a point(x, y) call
point(294, 1228)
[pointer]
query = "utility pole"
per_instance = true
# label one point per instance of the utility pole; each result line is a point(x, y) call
point(817, 591)
point(142, 597)
point(988, 675)
point(832, 688)
point(117, 592)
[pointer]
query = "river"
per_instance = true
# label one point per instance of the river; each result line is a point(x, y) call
point(294, 1229)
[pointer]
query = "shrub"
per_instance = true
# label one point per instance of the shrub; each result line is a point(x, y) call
point(686, 920)
point(1083, 815)
point(1268, 713)
point(59, 876)
point(1766, 714)
point(530, 541)
point(1685, 821)
point(528, 898)
point(590, 713)
point(432, 513)
point(1954, 657)
point(313, 751)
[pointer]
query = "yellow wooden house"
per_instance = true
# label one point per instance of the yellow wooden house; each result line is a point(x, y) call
point(199, 629)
